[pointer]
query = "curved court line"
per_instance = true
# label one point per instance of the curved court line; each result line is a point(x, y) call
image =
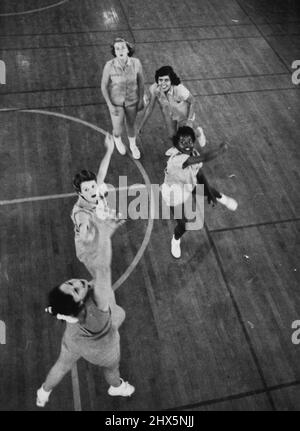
point(144, 174)
point(60, 196)
point(26, 12)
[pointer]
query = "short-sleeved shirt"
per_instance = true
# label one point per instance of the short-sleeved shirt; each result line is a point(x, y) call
point(95, 338)
point(179, 183)
point(174, 102)
point(123, 81)
point(97, 252)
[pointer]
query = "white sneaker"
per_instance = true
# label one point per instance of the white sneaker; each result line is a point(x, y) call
point(124, 390)
point(228, 202)
point(201, 138)
point(175, 248)
point(120, 146)
point(135, 152)
point(42, 397)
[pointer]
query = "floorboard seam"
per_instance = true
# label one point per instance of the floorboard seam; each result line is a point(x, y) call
point(235, 396)
point(26, 48)
point(263, 36)
point(148, 29)
point(127, 21)
point(267, 223)
point(149, 83)
point(240, 318)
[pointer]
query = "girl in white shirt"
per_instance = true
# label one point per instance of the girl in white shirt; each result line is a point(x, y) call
point(182, 174)
point(176, 103)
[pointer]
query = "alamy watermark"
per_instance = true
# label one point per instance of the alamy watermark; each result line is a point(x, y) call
point(296, 74)
point(296, 334)
point(2, 73)
point(142, 202)
point(2, 332)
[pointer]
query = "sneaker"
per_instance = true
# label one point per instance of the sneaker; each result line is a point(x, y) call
point(135, 152)
point(228, 202)
point(175, 248)
point(42, 397)
point(124, 390)
point(120, 146)
point(201, 138)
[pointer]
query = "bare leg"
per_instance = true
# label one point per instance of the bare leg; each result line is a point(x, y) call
point(118, 125)
point(130, 114)
point(62, 366)
point(112, 375)
point(118, 122)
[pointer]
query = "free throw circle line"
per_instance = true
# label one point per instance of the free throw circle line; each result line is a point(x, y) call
point(144, 174)
point(41, 9)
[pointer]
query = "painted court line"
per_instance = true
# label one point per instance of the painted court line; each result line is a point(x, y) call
point(61, 196)
point(41, 9)
point(76, 389)
point(138, 256)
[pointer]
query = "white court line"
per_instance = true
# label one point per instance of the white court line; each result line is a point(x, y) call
point(26, 12)
point(76, 389)
point(61, 196)
point(138, 256)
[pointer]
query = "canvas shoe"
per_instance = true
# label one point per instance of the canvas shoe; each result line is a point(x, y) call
point(175, 248)
point(42, 397)
point(120, 146)
point(228, 202)
point(124, 390)
point(135, 152)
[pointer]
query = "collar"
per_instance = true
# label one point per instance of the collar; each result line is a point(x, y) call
point(117, 63)
point(82, 203)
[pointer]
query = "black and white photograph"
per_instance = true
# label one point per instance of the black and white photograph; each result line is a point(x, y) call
point(149, 208)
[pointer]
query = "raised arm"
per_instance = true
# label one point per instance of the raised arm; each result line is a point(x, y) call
point(205, 156)
point(103, 292)
point(191, 111)
point(103, 168)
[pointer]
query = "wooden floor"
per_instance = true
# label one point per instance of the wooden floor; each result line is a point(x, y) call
point(213, 330)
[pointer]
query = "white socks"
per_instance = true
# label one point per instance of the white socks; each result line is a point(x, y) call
point(119, 144)
point(134, 149)
point(42, 397)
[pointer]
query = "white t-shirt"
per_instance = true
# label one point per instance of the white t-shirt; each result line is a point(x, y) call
point(179, 183)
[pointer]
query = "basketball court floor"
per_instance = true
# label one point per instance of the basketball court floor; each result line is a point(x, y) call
point(213, 330)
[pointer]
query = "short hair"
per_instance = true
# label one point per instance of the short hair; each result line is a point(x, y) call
point(62, 303)
point(129, 46)
point(81, 177)
point(183, 131)
point(167, 70)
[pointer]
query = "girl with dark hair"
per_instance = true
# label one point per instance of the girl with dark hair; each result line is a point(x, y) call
point(122, 87)
point(91, 333)
point(182, 174)
point(175, 101)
